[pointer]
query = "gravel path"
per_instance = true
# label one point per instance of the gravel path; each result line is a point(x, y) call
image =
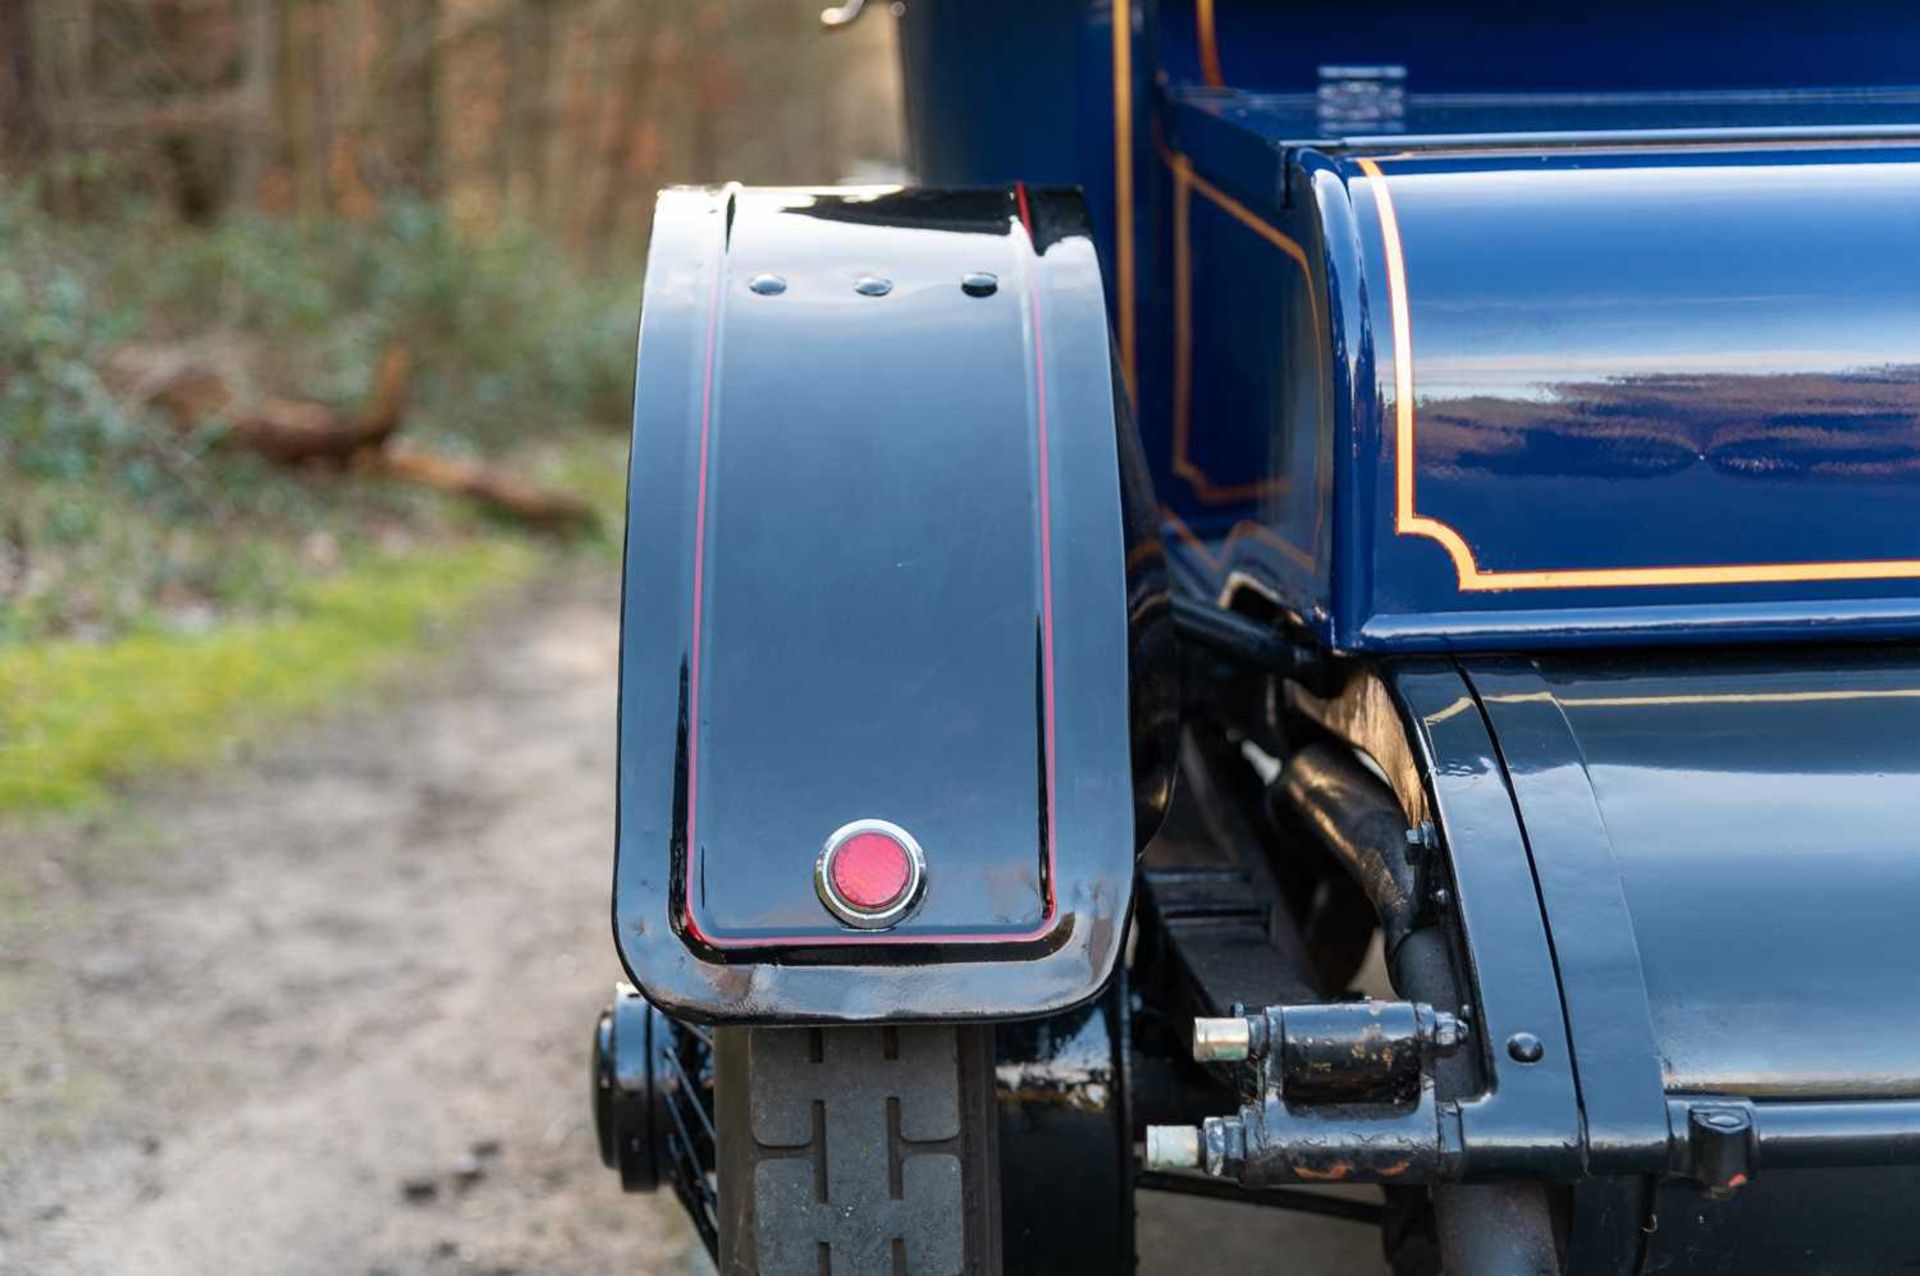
point(327, 1011)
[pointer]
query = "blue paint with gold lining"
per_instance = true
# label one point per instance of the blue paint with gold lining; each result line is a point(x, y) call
point(1663, 360)
point(1632, 391)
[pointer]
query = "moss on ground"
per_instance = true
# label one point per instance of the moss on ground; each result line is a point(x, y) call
point(77, 717)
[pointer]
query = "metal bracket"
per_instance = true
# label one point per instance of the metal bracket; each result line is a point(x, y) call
point(1344, 1093)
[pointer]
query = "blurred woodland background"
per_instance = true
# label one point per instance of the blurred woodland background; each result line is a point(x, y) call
point(317, 326)
point(565, 115)
point(311, 310)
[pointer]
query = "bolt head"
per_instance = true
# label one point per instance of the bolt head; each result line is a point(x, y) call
point(1173, 1147)
point(1222, 1040)
point(872, 286)
point(767, 285)
point(1524, 1047)
point(979, 283)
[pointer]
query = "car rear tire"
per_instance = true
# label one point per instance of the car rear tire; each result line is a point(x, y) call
point(857, 1151)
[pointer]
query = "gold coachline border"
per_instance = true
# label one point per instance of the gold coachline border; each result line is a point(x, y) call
point(1472, 578)
point(1208, 44)
point(1185, 182)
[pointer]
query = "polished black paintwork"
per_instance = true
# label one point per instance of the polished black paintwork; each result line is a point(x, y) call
point(1724, 852)
point(879, 566)
point(1743, 829)
point(1528, 1120)
point(1066, 1147)
point(1615, 1054)
point(1789, 1222)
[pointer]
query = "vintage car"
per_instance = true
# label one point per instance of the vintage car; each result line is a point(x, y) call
point(1332, 598)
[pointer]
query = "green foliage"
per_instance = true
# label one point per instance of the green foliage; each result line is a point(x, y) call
point(56, 418)
point(161, 596)
point(594, 468)
point(76, 717)
point(111, 522)
point(509, 342)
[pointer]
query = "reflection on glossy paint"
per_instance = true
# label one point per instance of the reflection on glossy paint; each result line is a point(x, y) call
point(1729, 329)
point(1064, 1062)
point(1860, 423)
point(1760, 812)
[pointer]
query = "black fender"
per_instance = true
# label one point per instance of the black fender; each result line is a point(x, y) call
point(886, 575)
point(1682, 887)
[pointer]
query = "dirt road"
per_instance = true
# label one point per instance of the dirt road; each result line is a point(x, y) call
point(327, 1010)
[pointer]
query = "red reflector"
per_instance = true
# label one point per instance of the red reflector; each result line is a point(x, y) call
point(871, 874)
point(871, 870)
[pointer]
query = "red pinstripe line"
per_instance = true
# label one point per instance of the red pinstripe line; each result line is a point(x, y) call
point(1046, 543)
point(699, 589)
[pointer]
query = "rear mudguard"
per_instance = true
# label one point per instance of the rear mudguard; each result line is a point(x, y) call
point(881, 574)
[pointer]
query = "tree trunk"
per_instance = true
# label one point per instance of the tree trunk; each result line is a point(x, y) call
point(253, 131)
point(297, 114)
point(529, 59)
point(20, 123)
point(62, 36)
point(630, 50)
point(558, 93)
point(407, 107)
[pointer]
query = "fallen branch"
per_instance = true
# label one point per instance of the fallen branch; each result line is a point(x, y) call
point(497, 489)
point(191, 388)
point(295, 431)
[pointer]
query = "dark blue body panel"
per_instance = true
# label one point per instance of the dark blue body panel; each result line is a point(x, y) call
point(1636, 392)
point(1706, 336)
point(1496, 47)
point(1575, 394)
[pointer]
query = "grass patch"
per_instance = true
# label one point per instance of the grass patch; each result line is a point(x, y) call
point(77, 717)
point(161, 595)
